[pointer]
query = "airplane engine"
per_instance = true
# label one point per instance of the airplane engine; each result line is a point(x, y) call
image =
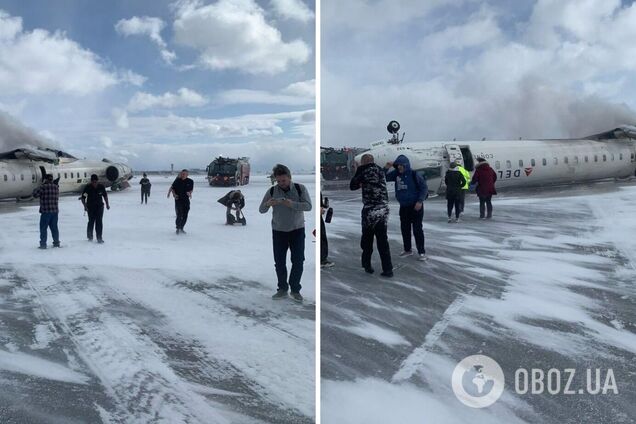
point(118, 175)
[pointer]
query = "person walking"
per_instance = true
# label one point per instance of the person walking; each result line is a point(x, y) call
point(465, 188)
point(145, 188)
point(455, 181)
point(91, 198)
point(181, 189)
point(289, 201)
point(49, 195)
point(324, 243)
point(410, 191)
point(375, 213)
point(485, 178)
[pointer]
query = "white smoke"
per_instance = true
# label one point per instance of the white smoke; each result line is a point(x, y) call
point(15, 135)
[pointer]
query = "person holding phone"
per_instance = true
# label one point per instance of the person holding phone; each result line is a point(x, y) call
point(289, 201)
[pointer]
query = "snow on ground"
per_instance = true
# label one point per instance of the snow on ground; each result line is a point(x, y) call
point(548, 283)
point(151, 326)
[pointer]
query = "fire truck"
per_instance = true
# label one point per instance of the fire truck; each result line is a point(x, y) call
point(229, 172)
point(337, 165)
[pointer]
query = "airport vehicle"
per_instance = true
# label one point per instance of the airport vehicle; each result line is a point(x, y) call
point(22, 170)
point(520, 163)
point(337, 166)
point(224, 172)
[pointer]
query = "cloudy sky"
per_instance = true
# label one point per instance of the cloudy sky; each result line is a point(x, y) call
point(471, 69)
point(156, 82)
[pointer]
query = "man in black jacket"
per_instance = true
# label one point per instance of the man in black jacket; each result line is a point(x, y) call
point(233, 201)
point(181, 189)
point(145, 188)
point(92, 200)
point(455, 182)
point(375, 213)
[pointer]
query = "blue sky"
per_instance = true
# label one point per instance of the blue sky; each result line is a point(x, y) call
point(160, 82)
point(469, 69)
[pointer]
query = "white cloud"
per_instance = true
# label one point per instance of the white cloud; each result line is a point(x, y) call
point(121, 118)
point(292, 10)
point(150, 27)
point(566, 70)
point(233, 34)
point(132, 78)
point(183, 98)
point(295, 94)
point(40, 62)
point(106, 142)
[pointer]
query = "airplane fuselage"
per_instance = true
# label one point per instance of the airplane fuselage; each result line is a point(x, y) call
point(519, 163)
point(19, 177)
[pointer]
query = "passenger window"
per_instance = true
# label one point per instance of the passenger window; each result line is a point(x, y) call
point(595, 158)
point(22, 177)
point(72, 176)
point(13, 177)
point(85, 175)
point(604, 158)
point(556, 161)
point(520, 163)
point(65, 175)
point(576, 160)
point(566, 160)
point(497, 164)
point(587, 159)
point(6, 178)
point(545, 162)
point(32, 178)
point(508, 164)
point(620, 156)
point(612, 157)
point(532, 162)
point(58, 175)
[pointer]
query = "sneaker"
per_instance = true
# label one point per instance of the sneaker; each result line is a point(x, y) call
point(56, 245)
point(42, 246)
point(327, 264)
point(406, 253)
point(422, 257)
point(296, 296)
point(450, 220)
point(280, 294)
point(482, 217)
point(100, 241)
point(178, 231)
point(457, 220)
point(89, 238)
point(387, 274)
point(369, 270)
point(183, 231)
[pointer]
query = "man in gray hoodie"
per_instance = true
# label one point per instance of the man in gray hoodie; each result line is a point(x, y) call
point(289, 201)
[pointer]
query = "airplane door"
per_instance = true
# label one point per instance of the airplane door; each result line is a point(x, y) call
point(454, 153)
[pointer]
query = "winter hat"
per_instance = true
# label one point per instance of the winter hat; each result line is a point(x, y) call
point(453, 165)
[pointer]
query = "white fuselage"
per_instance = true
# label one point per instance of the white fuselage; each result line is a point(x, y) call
point(19, 177)
point(519, 163)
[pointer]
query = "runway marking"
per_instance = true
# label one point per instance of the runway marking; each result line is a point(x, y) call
point(417, 358)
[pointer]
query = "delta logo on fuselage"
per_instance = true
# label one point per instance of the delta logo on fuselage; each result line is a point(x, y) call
point(509, 173)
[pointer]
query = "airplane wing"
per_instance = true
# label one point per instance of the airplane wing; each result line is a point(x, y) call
point(39, 154)
point(624, 131)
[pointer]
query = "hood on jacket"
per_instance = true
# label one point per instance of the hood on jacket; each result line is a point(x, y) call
point(484, 163)
point(402, 160)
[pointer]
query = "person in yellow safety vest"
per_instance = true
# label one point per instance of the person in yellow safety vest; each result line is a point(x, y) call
point(466, 186)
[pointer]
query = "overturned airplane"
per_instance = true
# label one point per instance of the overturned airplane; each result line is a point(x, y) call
point(519, 163)
point(24, 169)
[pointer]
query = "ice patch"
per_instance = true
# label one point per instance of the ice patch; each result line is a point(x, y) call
point(37, 367)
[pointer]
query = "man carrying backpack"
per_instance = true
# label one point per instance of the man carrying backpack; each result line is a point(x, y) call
point(410, 191)
point(289, 201)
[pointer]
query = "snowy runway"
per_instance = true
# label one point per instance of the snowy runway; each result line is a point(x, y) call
point(549, 283)
point(151, 326)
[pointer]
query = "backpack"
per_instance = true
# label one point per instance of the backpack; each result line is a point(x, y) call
point(298, 189)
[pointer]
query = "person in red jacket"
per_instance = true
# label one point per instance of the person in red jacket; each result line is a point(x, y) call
point(485, 178)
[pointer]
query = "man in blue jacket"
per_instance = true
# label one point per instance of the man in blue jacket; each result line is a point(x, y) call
point(410, 191)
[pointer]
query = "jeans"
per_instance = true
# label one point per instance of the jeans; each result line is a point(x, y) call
point(485, 203)
point(182, 207)
point(295, 242)
point(412, 219)
point(379, 232)
point(144, 196)
point(95, 215)
point(49, 220)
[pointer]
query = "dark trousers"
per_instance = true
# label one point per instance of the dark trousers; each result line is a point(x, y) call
point(454, 202)
point(293, 241)
point(324, 244)
point(182, 207)
point(379, 232)
point(49, 220)
point(485, 203)
point(228, 215)
point(412, 219)
point(144, 196)
point(462, 199)
point(95, 215)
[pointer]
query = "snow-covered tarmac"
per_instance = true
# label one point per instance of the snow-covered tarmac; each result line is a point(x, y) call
point(548, 284)
point(152, 327)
